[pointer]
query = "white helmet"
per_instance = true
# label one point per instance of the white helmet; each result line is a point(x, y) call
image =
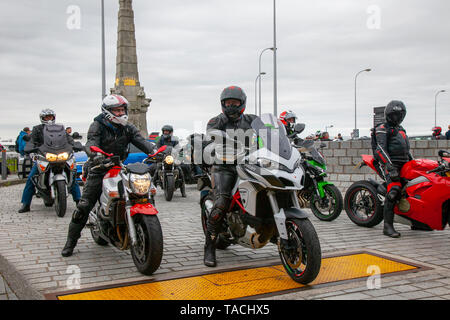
point(113, 101)
point(47, 112)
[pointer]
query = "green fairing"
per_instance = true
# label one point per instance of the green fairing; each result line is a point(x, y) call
point(315, 163)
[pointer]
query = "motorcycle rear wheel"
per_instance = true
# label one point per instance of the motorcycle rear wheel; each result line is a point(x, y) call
point(302, 256)
point(60, 198)
point(362, 204)
point(148, 251)
point(334, 209)
point(169, 187)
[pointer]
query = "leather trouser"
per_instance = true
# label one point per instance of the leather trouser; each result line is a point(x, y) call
point(223, 180)
point(91, 193)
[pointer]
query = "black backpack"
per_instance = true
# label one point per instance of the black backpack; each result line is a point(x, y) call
point(16, 147)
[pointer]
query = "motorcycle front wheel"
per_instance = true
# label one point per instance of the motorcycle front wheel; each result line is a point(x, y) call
point(333, 207)
point(148, 251)
point(169, 187)
point(60, 198)
point(301, 255)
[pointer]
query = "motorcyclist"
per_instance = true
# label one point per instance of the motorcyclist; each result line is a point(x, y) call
point(392, 152)
point(112, 133)
point(47, 117)
point(288, 118)
point(437, 134)
point(233, 100)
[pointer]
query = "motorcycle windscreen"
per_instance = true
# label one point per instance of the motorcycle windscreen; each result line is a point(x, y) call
point(272, 135)
point(55, 139)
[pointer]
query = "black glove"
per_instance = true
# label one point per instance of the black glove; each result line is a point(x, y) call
point(392, 172)
point(97, 158)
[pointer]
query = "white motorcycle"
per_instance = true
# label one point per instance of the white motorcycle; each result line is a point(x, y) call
point(265, 206)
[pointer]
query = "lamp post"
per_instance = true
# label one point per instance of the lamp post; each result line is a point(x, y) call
point(355, 133)
point(330, 126)
point(256, 91)
point(274, 59)
point(260, 55)
point(435, 106)
point(103, 51)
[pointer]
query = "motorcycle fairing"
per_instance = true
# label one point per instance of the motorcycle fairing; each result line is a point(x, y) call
point(145, 209)
point(112, 173)
point(416, 168)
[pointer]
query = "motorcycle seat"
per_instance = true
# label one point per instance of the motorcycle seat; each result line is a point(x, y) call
point(415, 168)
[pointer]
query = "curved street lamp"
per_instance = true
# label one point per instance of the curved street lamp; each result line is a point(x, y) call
point(435, 105)
point(260, 55)
point(256, 91)
point(365, 70)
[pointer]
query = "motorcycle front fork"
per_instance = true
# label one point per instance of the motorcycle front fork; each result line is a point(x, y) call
point(131, 226)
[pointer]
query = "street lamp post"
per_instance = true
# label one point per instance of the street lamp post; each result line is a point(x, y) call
point(274, 59)
point(355, 134)
point(260, 55)
point(330, 126)
point(103, 51)
point(256, 91)
point(435, 106)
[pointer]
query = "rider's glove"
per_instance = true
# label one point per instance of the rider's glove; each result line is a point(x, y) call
point(97, 158)
point(392, 172)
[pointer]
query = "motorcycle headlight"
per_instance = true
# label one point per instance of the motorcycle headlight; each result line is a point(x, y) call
point(272, 165)
point(140, 183)
point(169, 160)
point(63, 156)
point(51, 157)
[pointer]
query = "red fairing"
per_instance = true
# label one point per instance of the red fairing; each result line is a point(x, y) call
point(369, 160)
point(416, 168)
point(145, 209)
point(112, 173)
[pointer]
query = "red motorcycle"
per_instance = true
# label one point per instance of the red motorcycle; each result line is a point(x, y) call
point(425, 200)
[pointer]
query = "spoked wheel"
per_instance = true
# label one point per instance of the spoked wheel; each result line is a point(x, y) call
point(362, 204)
point(148, 251)
point(206, 206)
point(301, 254)
point(329, 208)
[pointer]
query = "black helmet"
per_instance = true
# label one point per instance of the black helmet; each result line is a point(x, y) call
point(395, 112)
point(233, 92)
point(169, 128)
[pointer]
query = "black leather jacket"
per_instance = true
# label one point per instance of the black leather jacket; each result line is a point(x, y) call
point(115, 139)
point(392, 144)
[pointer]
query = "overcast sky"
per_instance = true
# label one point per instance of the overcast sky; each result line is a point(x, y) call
point(189, 50)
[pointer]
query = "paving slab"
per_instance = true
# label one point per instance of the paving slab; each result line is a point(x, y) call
point(30, 260)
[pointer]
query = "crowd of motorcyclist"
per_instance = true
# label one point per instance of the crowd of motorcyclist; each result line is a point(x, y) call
point(112, 132)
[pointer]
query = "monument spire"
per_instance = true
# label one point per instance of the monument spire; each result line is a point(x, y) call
point(127, 76)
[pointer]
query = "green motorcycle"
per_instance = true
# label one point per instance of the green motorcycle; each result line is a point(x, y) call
point(321, 196)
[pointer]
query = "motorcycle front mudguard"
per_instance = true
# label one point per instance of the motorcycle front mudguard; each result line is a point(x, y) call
point(321, 185)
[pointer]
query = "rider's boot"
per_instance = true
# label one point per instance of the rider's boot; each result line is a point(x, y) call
point(209, 258)
point(24, 208)
point(72, 238)
point(388, 213)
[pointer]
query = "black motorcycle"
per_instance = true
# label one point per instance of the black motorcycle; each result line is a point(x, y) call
point(168, 174)
point(56, 167)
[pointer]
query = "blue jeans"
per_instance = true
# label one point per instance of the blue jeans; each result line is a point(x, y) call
point(29, 190)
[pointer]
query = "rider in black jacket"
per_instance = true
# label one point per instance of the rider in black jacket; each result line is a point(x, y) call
point(233, 100)
point(112, 133)
point(392, 153)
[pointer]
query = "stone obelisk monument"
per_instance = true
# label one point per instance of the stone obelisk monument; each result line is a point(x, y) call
point(127, 77)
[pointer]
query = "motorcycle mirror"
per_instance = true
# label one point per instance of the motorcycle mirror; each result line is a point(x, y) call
point(322, 145)
point(97, 149)
point(299, 127)
point(76, 136)
point(308, 143)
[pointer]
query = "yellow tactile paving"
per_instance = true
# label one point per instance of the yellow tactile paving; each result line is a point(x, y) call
point(244, 283)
